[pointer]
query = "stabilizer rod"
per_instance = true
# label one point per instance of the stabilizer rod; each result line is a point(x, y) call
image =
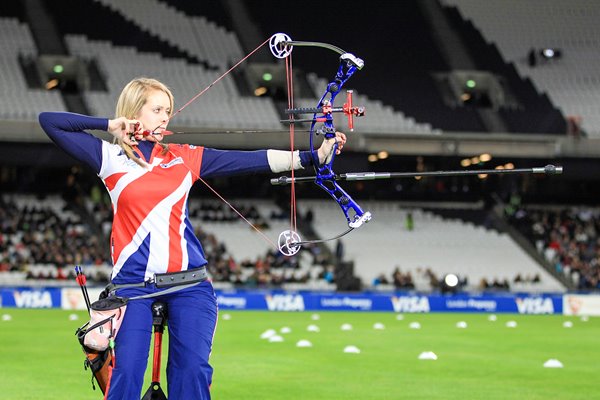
point(367, 176)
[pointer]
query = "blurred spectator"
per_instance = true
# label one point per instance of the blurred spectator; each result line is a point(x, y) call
point(567, 238)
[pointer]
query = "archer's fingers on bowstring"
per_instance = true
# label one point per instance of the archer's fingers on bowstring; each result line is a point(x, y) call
point(121, 127)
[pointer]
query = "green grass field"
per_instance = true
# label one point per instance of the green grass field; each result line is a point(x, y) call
point(41, 359)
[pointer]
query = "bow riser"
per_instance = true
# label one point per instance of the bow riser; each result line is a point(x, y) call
point(324, 172)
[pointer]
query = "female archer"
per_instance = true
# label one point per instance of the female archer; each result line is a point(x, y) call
point(153, 246)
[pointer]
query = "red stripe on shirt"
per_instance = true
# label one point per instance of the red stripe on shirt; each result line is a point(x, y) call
point(175, 250)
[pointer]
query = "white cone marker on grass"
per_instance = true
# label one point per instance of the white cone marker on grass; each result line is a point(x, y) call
point(428, 355)
point(567, 324)
point(313, 328)
point(346, 327)
point(351, 349)
point(268, 333)
point(6, 317)
point(553, 363)
point(461, 325)
point(275, 339)
point(378, 326)
point(511, 324)
point(303, 343)
point(414, 325)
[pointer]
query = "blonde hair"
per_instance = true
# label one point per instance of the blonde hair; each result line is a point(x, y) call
point(133, 97)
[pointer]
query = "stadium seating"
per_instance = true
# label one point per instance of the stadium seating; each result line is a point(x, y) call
point(567, 237)
point(443, 246)
point(18, 101)
point(572, 81)
point(194, 35)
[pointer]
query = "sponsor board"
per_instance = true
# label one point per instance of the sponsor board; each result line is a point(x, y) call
point(471, 304)
point(535, 305)
point(410, 304)
point(581, 304)
point(347, 303)
point(232, 302)
point(285, 302)
point(31, 298)
point(72, 298)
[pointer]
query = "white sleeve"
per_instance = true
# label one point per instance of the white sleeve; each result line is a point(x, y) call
point(281, 160)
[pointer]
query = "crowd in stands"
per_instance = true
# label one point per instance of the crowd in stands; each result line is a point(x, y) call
point(39, 235)
point(272, 269)
point(567, 238)
point(404, 281)
point(34, 235)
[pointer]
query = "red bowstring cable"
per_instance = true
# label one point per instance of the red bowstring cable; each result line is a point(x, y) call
point(290, 88)
point(198, 175)
point(239, 213)
point(218, 79)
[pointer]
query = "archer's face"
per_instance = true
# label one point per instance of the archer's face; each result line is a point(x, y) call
point(155, 113)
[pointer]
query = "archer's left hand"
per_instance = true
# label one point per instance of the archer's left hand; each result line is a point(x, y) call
point(326, 150)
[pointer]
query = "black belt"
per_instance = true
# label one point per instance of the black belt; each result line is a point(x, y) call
point(166, 280)
point(169, 279)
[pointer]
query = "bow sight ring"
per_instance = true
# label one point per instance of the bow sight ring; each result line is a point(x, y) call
point(279, 45)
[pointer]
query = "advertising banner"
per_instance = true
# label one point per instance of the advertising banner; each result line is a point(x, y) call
point(581, 305)
point(522, 304)
point(72, 299)
point(31, 298)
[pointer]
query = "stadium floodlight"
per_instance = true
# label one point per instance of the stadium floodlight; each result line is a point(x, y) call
point(451, 280)
point(550, 53)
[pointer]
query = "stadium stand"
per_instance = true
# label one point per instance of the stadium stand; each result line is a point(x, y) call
point(438, 245)
point(119, 64)
point(173, 41)
point(523, 29)
point(194, 35)
point(18, 102)
point(566, 237)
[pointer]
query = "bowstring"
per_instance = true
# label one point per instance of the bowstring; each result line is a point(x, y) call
point(290, 89)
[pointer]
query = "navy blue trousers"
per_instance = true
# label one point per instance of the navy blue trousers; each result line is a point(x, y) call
point(192, 318)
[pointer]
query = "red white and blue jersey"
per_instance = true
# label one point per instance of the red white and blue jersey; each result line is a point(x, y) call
point(151, 230)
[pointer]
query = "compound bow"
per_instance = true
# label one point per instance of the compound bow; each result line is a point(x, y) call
point(281, 46)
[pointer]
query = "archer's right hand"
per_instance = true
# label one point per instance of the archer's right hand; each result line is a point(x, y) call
point(123, 128)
